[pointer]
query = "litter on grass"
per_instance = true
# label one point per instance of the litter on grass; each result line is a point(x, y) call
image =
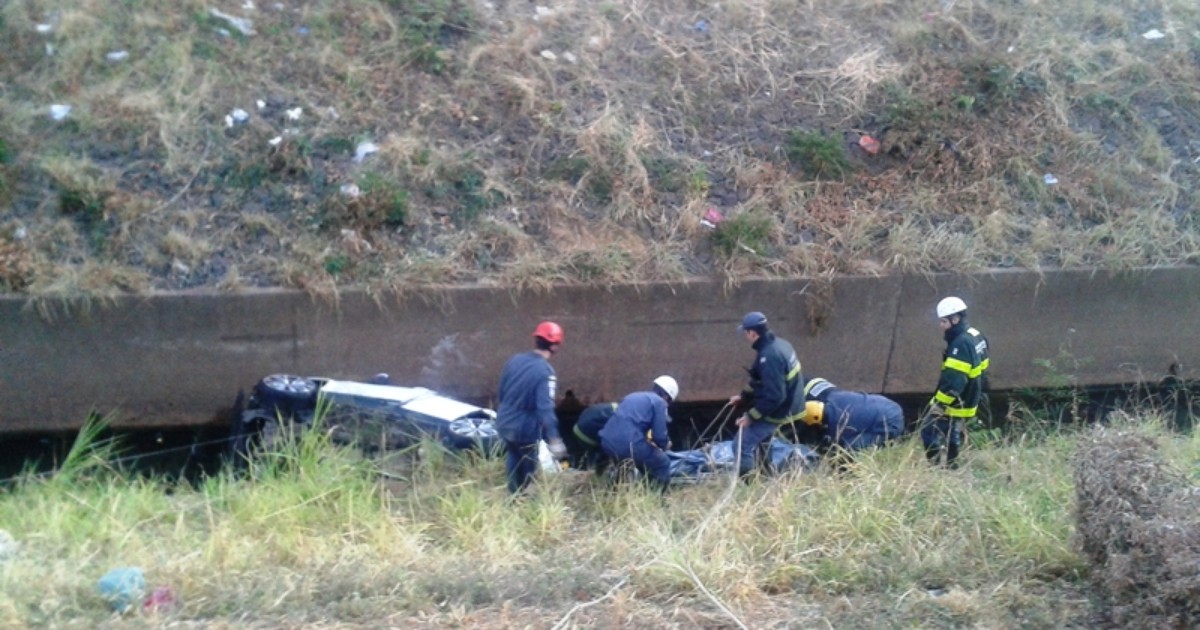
point(59, 112)
point(243, 25)
point(122, 587)
point(117, 55)
point(1154, 34)
point(1050, 179)
point(364, 149)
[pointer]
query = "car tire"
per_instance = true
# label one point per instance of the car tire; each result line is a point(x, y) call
point(287, 394)
point(473, 431)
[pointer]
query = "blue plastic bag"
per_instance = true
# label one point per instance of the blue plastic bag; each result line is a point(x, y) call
point(122, 588)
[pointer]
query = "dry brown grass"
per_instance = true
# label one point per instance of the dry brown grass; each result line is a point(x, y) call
point(623, 118)
point(1136, 524)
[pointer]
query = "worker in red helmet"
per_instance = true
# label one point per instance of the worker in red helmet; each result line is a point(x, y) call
point(526, 410)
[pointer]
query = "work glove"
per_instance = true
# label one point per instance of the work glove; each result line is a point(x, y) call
point(557, 449)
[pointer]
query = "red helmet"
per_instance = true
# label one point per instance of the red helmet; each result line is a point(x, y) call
point(549, 331)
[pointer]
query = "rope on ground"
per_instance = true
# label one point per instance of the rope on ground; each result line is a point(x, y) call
point(699, 584)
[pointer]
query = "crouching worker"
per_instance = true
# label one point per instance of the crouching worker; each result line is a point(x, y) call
point(624, 437)
point(587, 450)
point(852, 420)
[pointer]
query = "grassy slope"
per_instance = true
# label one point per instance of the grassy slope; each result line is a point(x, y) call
point(316, 540)
point(498, 163)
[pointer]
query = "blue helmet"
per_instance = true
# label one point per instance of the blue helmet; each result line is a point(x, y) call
point(753, 319)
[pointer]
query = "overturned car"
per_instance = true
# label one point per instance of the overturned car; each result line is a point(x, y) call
point(372, 414)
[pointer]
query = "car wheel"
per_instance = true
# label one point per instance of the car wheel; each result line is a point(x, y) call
point(289, 388)
point(471, 431)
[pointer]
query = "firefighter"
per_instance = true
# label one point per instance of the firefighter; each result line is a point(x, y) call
point(852, 420)
point(625, 435)
point(588, 452)
point(958, 391)
point(526, 411)
point(774, 392)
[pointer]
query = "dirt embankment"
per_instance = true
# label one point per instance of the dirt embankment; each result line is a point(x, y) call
point(397, 143)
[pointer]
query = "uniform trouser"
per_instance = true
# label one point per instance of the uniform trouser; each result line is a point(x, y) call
point(520, 465)
point(650, 459)
point(942, 433)
point(754, 439)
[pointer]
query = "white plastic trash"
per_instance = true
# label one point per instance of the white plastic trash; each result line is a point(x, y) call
point(275, 141)
point(1154, 34)
point(117, 55)
point(59, 112)
point(243, 25)
point(44, 28)
point(549, 54)
point(364, 149)
point(1050, 179)
point(294, 114)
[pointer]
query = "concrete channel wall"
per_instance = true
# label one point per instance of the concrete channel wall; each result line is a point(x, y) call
point(180, 359)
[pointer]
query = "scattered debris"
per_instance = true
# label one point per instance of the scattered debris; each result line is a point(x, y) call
point(19, 234)
point(161, 600)
point(712, 218)
point(549, 54)
point(236, 117)
point(302, 31)
point(248, 6)
point(570, 57)
point(122, 587)
point(224, 32)
point(701, 26)
point(49, 50)
point(8, 544)
point(1011, 48)
point(540, 12)
point(180, 268)
point(332, 113)
point(1154, 34)
point(243, 25)
point(294, 114)
point(117, 55)
point(595, 42)
point(59, 112)
point(260, 104)
point(364, 149)
point(351, 190)
point(1049, 179)
point(275, 141)
point(44, 29)
point(869, 144)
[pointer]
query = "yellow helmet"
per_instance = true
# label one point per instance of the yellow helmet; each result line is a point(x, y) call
point(814, 413)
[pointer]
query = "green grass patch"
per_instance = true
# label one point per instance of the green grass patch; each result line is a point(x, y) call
point(746, 233)
point(820, 155)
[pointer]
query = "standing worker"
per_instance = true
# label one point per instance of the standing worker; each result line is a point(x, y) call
point(852, 420)
point(526, 411)
point(774, 392)
point(641, 413)
point(589, 453)
point(958, 391)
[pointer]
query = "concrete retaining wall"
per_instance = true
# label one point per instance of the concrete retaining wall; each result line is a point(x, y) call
point(179, 359)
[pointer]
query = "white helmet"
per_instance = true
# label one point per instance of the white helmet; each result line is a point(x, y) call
point(950, 306)
point(668, 385)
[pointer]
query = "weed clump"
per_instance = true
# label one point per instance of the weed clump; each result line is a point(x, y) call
point(749, 232)
point(820, 155)
point(1136, 525)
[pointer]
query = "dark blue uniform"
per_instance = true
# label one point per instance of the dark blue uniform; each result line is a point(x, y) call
point(854, 420)
point(775, 393)
point(624, 436)
point(587, 434)
point(526, 414)
point(958, 392)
